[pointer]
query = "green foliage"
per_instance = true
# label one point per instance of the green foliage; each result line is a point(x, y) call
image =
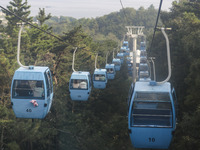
point(42, 17)
point(19, 8)
point(111, 26)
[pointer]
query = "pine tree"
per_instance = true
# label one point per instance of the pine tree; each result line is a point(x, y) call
point(20, 9)
point(42, 17)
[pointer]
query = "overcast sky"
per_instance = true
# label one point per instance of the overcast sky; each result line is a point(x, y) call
point(87, 8)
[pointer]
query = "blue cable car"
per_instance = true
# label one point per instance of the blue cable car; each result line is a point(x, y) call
point(31, 92)
point(110, 71)
point(31, 89)
point(128, 60)
point(130, 69)
point(100, 78)
point(80, 86)
point(143, 53)
point(143, 67)
point(121, 57)
point(151, 115)
point(152, 111)
point(142, 46)
point(125, 51)
point(144, 74)
point(117, 63)
point(143, 59)
point(125, 44)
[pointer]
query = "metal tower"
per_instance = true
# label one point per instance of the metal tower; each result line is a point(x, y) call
point(134, 32)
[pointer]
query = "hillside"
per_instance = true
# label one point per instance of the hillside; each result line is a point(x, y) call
point(111, 26)
point(101, 122)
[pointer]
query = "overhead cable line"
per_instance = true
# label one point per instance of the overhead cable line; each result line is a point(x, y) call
point(123, 10)
point(126, 18)
point(156, 25)
point(31, 24)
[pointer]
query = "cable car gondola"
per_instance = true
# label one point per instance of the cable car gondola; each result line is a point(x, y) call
point(110, 71)
point(110, 68)
point(31, 89)
point(152, 111)
point(125, 44)
point(152, 118)
point(121, 57)
point(117, 63)
point(143, 53)
point(130, 69)
point(143, 67)
point(143, 59)
point(125, 51)
point(142, 46)
point(31, 92)
point(99, 77)
point(80, 84)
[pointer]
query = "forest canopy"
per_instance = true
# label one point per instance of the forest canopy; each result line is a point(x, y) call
point(101, 122)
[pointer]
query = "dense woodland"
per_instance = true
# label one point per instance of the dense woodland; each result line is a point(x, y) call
point(101, 122)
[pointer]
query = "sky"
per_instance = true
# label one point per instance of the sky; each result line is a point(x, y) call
point(87, 8)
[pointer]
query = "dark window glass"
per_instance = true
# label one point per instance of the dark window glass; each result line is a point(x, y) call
point(79, 84)
point(28, 89)
point(152, 110)
point(99, 77)
point(110, 70)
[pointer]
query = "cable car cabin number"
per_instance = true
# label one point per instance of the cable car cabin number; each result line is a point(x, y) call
point(152, 140)
point(28, 110)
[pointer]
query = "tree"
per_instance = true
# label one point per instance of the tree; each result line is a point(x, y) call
point(42, 17)
point(20, 9)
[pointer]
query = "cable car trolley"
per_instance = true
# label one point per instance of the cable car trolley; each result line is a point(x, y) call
point(99, 77)
point(80, 84)
point(142, 46)
point(110, 68)
point(121, 57)
point(31, 89)
point(110, 71)
point(117, 63)
point(152, 111)
point(152, 118)
point(32, 92)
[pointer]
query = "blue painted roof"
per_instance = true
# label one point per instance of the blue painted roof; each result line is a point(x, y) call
point(116, 60)
point(110, 66)
point(100, 71)
point(30, 74)
point(123, 48)
point(120, 54)
point(80, 75)
point(35, 69)
point(146, 87)
point(143, 65)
